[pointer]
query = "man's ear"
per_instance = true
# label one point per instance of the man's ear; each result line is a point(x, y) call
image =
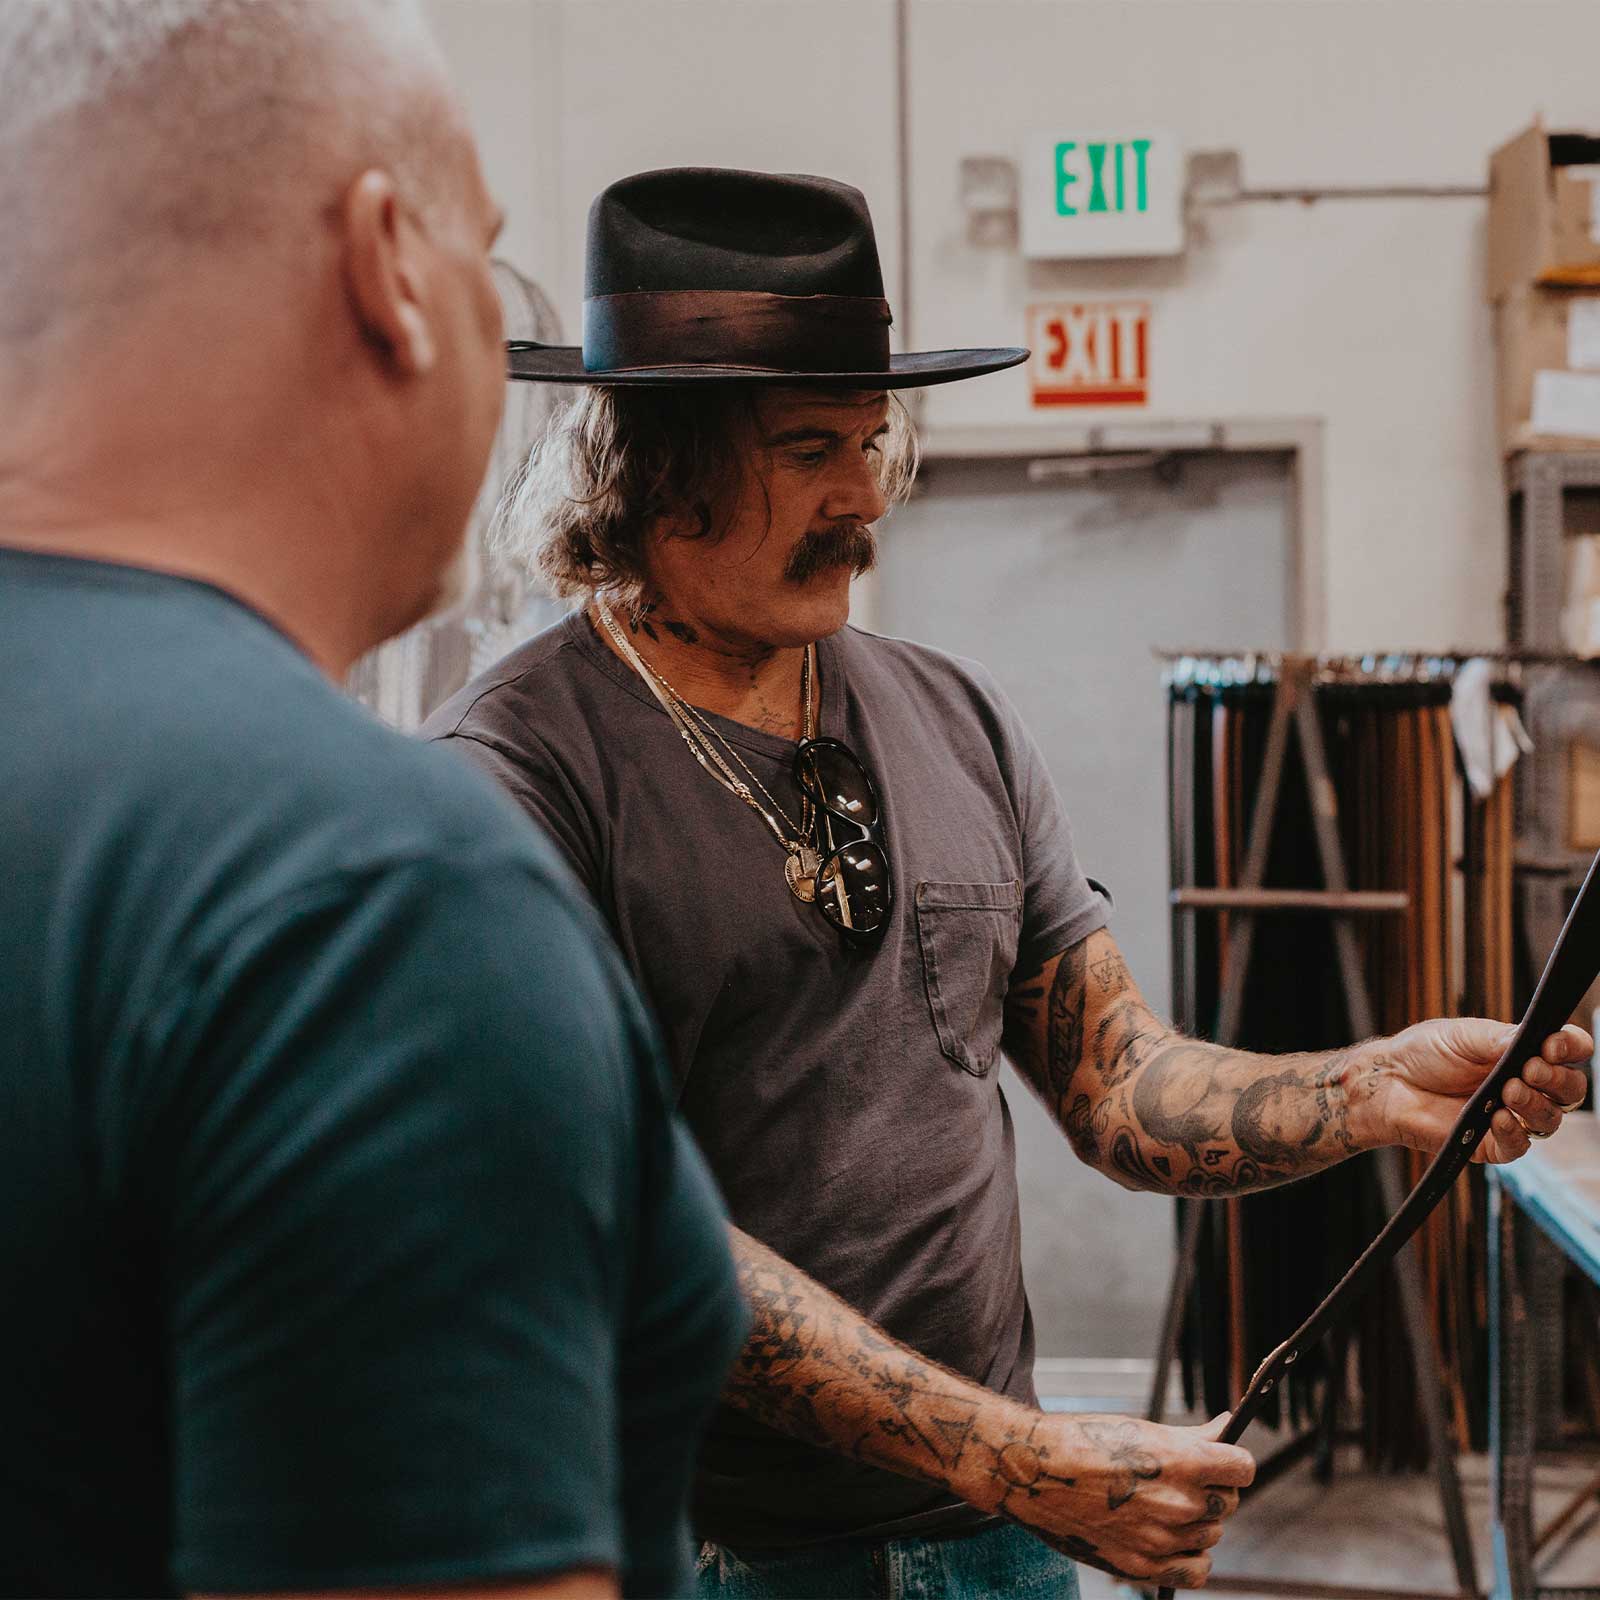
point(383, 274)
point(684, 521)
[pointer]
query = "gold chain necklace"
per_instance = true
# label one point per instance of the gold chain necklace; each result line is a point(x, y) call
point(801, 859)
point(705, 731)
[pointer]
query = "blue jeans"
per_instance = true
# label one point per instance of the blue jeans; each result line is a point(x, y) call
point(1004, 1561)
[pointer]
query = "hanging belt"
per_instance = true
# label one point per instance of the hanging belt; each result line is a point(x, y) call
point(1573, 965)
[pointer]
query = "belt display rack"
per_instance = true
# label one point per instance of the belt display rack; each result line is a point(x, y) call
point(1429, 947)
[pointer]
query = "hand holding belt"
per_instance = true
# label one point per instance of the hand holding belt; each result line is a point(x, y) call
point(1572, 967)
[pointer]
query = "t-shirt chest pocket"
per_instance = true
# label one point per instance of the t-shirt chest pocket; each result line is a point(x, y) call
point(968, 934)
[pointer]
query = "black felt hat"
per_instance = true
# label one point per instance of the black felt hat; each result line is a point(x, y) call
point(704, 275)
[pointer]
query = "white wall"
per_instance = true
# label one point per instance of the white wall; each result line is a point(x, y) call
point(1367, 315)
point(506, 60)
point(569, 95)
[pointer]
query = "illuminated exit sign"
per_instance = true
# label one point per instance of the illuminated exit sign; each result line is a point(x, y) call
point(1096, 353)
point(1088, 192)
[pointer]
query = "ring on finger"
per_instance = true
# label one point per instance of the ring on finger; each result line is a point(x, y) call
point(1575, 1106)
point(1532, 1133)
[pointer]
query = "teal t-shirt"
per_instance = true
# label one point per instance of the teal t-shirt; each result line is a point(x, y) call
point(348, 1240)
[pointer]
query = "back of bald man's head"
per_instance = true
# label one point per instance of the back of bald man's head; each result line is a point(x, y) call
point(143, 138)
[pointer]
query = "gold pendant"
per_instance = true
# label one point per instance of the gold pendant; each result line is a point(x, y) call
point(800, 868)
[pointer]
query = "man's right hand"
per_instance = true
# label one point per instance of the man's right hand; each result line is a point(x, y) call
point(1134, 1498)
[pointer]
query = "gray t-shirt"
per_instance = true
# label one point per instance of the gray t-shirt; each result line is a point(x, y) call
point(848, 1100)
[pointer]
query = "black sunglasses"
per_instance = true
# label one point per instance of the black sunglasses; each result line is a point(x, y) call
point(855, 889)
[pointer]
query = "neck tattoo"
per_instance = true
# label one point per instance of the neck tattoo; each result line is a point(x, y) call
point(801, 858)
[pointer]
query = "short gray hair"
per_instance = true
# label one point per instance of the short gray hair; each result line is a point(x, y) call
point(129, 128)
point(614, 459)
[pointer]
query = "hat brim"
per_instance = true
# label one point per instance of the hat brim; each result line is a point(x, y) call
point(555, 363)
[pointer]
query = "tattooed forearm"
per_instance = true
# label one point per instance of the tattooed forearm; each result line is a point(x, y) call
point(1065, 1021)
point(1126, 1495)
point(1158, 1111)
point(814, 1368)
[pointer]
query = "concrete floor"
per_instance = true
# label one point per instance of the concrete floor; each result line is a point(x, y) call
point(1377, 1531)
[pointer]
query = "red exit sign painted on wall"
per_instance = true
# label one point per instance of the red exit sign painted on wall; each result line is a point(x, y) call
point(1091, 354)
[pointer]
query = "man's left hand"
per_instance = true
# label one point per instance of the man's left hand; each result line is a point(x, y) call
point(1417, 1082)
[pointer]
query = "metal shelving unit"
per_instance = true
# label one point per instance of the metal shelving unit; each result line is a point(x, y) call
point(1542, 486)
point(1552, 495)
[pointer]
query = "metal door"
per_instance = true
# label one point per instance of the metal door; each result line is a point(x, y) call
point(1064, 589)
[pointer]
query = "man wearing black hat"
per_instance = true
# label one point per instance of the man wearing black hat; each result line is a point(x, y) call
point(842, 873)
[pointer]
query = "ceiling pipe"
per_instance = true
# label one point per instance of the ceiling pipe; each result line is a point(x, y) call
point(902, 98)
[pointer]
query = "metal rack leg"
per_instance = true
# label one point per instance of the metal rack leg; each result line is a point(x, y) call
point(1430, 1389)
point(1512, 1403)
point(1242, 933)
point(1328, 1423)
point(1544, 1278)
point(1172, 1317)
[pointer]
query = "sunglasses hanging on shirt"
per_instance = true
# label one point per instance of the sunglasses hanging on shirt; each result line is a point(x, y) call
point(834, 856)
point(854, 886)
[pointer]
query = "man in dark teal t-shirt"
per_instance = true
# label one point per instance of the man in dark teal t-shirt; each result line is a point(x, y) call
point(349, 1242)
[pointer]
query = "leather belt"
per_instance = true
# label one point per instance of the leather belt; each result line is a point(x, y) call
point(1572, 967)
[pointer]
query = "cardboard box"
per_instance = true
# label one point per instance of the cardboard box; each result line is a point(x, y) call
point(1544, 211)
point(1583, 796)
point(1580, 613)
point(1547, 348)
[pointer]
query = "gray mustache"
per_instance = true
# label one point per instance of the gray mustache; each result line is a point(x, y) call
point(849, 544)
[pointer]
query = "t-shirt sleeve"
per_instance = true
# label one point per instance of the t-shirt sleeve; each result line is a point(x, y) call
point(535, 780)
point(1060, 904)
point(400, 1144)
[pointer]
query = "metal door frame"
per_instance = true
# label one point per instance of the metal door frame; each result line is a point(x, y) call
point(1300, 438)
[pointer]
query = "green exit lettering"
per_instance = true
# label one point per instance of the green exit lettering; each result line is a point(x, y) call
point(1114, 174)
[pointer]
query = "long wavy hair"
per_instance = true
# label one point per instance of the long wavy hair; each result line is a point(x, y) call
point(578, 513)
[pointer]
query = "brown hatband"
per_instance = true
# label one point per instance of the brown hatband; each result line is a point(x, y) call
point(735, 328)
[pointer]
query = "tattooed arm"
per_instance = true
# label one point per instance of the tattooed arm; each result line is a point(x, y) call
point(1154, 1110)
point(1131, 1497)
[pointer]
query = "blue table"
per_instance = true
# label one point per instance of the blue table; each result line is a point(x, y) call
point(1549, 1198)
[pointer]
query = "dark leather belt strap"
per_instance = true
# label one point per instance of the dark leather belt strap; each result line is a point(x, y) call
point(1572, 967)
